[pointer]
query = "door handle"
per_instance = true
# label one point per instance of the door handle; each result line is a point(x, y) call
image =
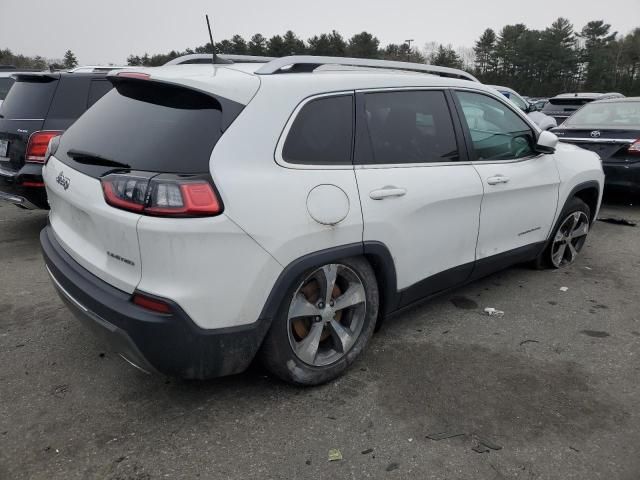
point(387, 192)
point(497, 179)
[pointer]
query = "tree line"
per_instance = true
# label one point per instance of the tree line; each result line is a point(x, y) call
point(559, 59)
point(534, 62)
point(7, 57)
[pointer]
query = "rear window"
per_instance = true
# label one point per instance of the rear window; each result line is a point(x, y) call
point(146, 126)
point(5, 85)
point(608, 114)
point(570, 101)
point(29, 99)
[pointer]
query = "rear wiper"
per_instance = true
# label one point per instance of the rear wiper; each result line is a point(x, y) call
point(93, 159)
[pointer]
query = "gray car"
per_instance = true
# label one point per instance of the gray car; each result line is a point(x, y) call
point(545, 122)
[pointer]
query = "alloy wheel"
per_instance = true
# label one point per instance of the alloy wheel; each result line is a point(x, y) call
point(569, 239)
point(326, 315)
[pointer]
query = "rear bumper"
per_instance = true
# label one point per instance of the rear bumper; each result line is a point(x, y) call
point(170, 344)
point(622, 176)
point(13, 189)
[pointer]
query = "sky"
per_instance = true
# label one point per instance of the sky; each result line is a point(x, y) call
point(101, 32)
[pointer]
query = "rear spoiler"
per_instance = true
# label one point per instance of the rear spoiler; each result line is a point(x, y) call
point(35, 77)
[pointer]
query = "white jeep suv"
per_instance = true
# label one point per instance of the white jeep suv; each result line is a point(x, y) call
point(205, 214)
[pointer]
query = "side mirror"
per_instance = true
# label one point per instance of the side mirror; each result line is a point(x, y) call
point(532, 107)
point(547, 142)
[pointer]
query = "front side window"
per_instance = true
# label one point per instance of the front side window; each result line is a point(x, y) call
point(497, 133)
point(322, 133)
point(410, 127)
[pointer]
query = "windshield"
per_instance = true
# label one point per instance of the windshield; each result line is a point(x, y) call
point(610, 114)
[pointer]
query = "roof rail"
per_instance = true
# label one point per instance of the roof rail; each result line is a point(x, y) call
point(308, 63)
point(206, 58)
point(95, 68)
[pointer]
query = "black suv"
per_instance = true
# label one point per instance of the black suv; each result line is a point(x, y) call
point(38, 107)
point(562, 106)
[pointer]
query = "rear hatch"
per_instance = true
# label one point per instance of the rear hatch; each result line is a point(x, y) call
point(22, 113)
point(611, 145)
point(140, 131)
point(561, 108)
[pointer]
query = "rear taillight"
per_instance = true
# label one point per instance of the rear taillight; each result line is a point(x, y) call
point(634, 148)
point(162, 195)
point(151, 303)
point(38, 144)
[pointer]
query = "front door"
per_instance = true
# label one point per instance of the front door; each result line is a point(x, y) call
point(420, 195)
point(520, 185)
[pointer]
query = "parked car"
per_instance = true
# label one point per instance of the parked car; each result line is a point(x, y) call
point(562, 106)
point(610, 128)
point(6, 79)
point(539, 103)
point(543, 121)
point(39, 107)
point(201, 214)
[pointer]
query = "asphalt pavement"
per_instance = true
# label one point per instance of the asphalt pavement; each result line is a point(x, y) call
point(550, 390)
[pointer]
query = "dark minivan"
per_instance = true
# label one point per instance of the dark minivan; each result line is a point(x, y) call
point(38, 107)
point(564, 105)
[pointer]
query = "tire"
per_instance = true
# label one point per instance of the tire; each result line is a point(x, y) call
point(304, 323)
point(577, 211)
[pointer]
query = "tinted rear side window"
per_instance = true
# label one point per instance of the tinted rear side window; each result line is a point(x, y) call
point(29, 99)
point(147, 126)
point(410, 127)
point(97, 90)
point(322, 133)
point(5, 85)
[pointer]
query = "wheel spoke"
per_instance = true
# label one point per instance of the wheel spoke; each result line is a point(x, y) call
point(559, 255)
point(330, 272)
point(342, 336)
point(580, 231)
point(301, 307)
point(353, 296)
point(307, 349)
point(573, 253)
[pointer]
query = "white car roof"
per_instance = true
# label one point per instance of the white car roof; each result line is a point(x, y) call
point(240, 81)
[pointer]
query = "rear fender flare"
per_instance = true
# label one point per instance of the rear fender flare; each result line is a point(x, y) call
point(375, 252)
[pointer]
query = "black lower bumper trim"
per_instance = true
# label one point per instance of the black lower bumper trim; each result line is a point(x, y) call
point(14, 190)
point(622, 175)
point(171, 344)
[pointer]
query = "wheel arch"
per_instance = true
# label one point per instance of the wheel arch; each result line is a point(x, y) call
point(376, 253)
point(589, 193)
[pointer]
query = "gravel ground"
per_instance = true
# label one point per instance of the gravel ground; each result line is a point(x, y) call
point(554, 383)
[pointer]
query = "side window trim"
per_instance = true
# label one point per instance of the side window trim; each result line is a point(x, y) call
point(278, 156)
point(364, 149)
point(467, 133)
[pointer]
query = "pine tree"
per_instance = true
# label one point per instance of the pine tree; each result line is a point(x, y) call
point(70, 60)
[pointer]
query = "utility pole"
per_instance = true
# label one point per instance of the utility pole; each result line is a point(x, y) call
point(408, 42)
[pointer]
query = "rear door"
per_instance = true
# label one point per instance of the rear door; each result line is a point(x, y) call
point(520, 186)
point(420, 195)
